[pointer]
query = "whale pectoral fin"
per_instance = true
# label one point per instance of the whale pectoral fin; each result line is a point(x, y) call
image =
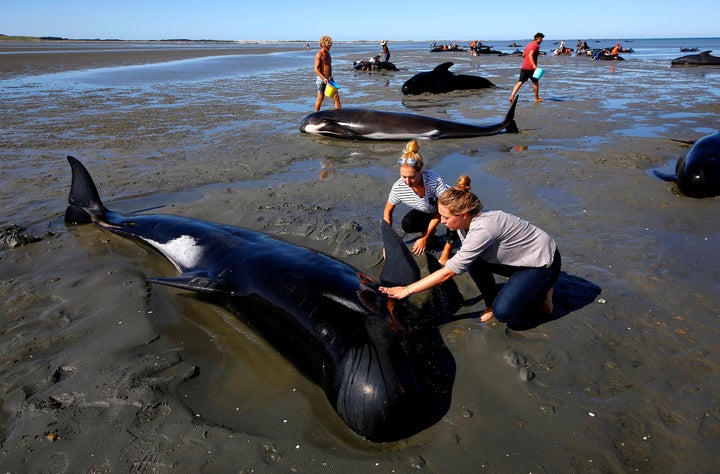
point(200, 283)
point(665, 176)
point(336, 128)
point(400, 266)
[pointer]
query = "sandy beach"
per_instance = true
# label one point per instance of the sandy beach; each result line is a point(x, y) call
point(102, 372)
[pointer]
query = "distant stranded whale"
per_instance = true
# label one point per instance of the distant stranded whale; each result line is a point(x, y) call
point(378, 125)
point(441, 80)
point(386, 375)
point(697, 174)
point(700, 59)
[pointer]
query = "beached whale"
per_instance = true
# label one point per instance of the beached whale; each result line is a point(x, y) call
point(377, 125)
point(697, 174)
point(374, 64)
point(441, 80)
point(700, 59)
point(386, 375)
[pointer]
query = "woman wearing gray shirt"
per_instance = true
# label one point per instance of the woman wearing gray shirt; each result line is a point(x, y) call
point(495, 242)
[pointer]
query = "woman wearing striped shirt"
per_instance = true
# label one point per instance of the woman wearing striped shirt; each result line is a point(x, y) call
point(419, 189)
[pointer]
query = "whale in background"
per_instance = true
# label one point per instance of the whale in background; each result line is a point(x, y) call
point(441, 80)
point(365, 124)
point(700, 59)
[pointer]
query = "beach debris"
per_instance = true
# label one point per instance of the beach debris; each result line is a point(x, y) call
point(513, 358)
point(526, 374)
point(272, 454)
point(13, 235)
point(62, 372)
point(418, 462)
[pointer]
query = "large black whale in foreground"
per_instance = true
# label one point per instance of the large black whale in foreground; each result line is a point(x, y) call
point(378, 125)
point(386, 375)
point(697, 174)
point(441, 80)
point(700, 59)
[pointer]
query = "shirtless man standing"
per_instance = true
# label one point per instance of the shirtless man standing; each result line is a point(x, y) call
point(323, 69)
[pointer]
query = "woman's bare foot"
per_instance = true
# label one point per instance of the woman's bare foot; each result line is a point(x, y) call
point(539, 99)
point(486, 316)
point(547, 305)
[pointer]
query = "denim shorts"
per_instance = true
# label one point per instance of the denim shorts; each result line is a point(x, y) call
point(321, 84)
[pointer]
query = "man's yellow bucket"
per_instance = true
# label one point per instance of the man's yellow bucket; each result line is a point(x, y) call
point(331, 89)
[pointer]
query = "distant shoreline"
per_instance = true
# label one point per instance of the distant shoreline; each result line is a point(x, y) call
point(53, 39)
point(311, 42)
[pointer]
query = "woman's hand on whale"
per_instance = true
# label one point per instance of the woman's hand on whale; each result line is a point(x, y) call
point(395, 292)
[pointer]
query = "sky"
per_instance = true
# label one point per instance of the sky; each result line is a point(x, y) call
point(347, 20)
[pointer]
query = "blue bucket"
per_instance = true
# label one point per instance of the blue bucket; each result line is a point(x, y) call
point(538, 73)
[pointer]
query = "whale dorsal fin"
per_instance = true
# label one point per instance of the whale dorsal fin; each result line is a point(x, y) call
point(400, 267)
point(444, 67)
point(84, 200)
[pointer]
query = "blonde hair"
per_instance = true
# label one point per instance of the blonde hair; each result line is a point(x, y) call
point(460, 200)
point(410, 152)
point(325, 40)
point(463, 183)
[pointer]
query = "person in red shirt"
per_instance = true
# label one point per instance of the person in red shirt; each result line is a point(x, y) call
point(530, 56)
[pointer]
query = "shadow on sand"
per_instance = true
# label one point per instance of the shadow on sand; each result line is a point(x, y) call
point(571, 293)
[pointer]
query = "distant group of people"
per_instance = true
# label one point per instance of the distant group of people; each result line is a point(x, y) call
point(323, 68)
point(581, 47)
point(488, 242)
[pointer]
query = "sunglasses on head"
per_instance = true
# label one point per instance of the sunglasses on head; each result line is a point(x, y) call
point(407, 161)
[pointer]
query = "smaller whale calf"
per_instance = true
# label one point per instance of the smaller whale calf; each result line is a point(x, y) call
point(697, 174)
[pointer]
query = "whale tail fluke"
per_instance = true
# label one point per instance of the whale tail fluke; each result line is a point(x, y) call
point(511, 126)
point(85, 203)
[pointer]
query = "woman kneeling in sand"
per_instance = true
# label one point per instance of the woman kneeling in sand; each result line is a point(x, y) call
point(495, 242)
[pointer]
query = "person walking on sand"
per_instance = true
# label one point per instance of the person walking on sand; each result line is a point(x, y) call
point(530, 57)
point(323, 69)
point(419, 189)
point(495, 242)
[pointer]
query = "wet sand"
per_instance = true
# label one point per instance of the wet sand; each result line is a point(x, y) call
point(102, 372)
